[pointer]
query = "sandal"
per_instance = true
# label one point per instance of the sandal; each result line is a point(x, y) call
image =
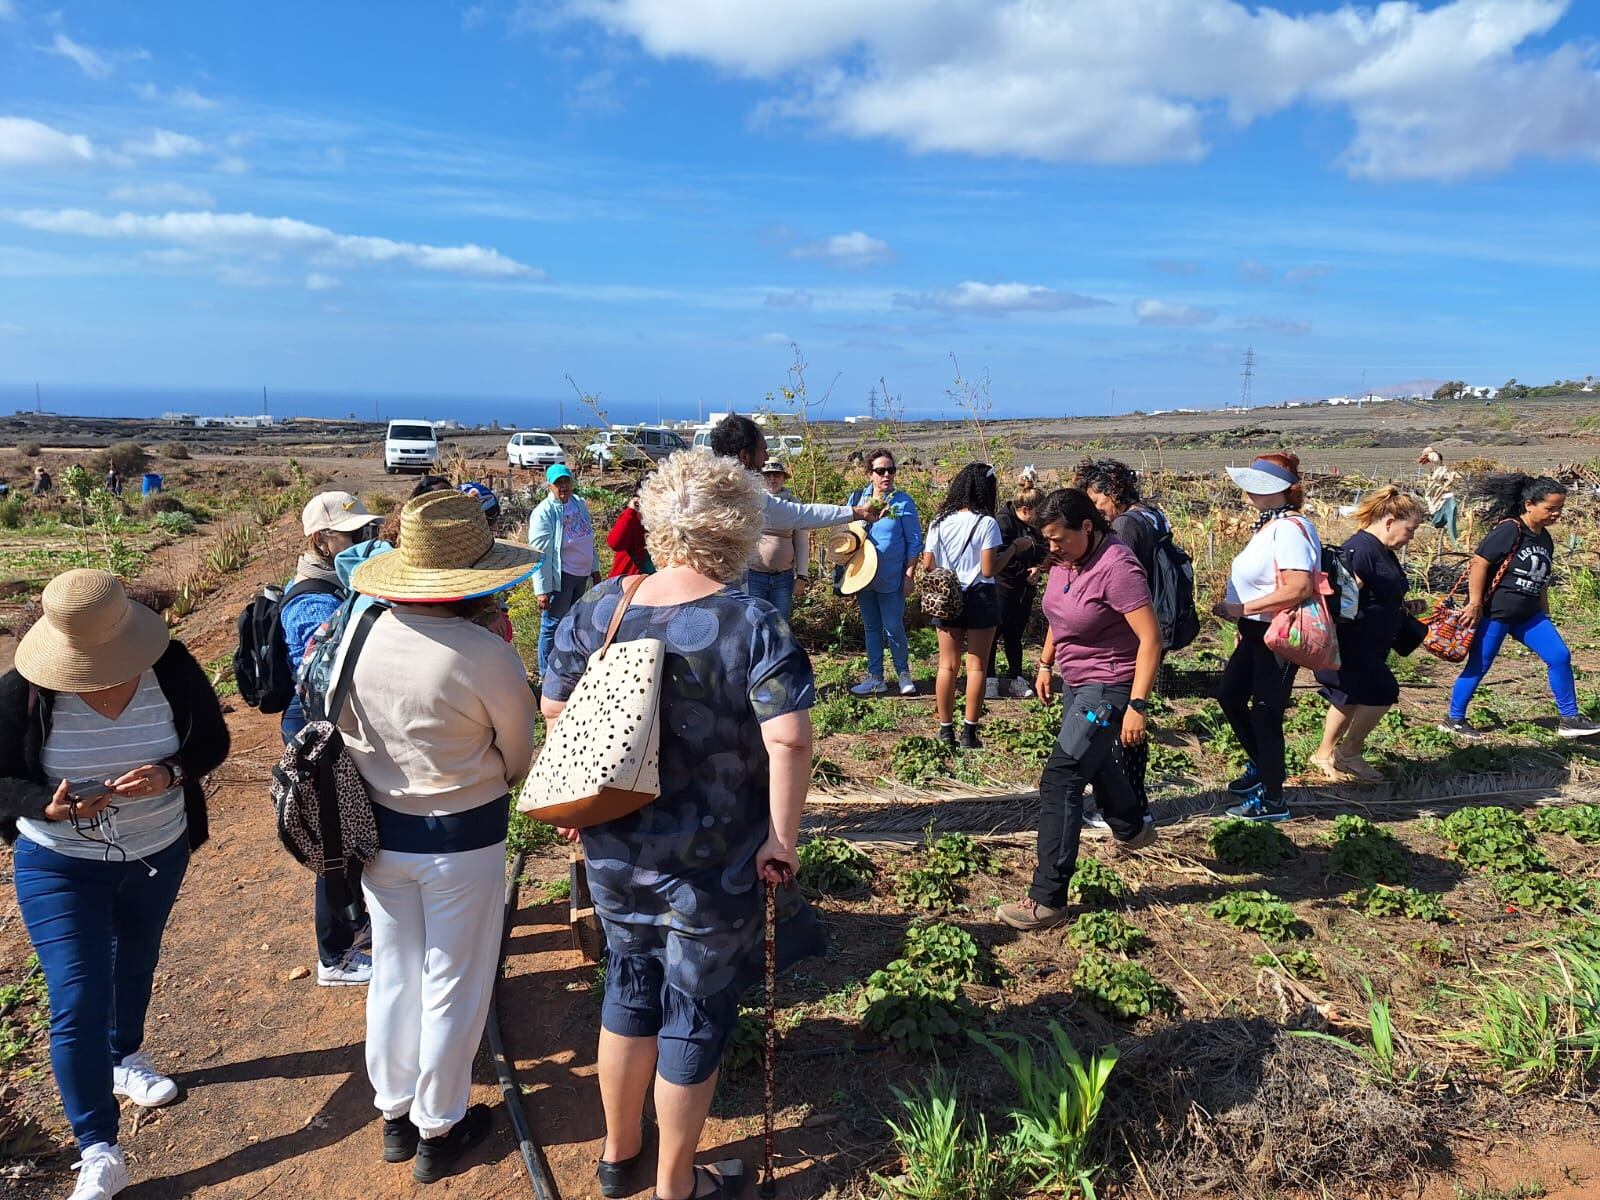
point(727, 1180)
point(625, 1176)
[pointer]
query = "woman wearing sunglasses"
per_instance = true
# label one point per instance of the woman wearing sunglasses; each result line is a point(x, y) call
point(898, 536)
point(106, 728)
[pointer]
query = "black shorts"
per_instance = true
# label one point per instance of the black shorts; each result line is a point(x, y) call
point(980, 608)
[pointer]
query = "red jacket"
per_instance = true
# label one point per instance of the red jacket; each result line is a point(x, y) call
point(627, 539)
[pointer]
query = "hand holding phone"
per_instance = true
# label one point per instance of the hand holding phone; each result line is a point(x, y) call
point(81, 800)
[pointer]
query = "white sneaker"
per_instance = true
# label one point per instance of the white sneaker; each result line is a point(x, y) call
point(908, 685)
point(870, 687)
point(1093, 820)
point(353, 970)
point(991, 688)
point(102, 1173)
point(140, 1082)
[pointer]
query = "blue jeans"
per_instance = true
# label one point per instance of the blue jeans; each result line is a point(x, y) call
point(561, 601)
point(97, 928)
point(883, 614)
point(1539, 634)
point(775, 587)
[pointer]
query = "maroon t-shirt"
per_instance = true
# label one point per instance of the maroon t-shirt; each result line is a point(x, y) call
point(1087, 609)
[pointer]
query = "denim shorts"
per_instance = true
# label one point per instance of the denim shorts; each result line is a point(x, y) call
point(691, 1032)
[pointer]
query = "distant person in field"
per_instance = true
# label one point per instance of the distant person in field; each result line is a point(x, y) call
point(1105, 642)
point(741, 438)
point(780, 565)
point(965, 539)
point(113, 481)
point(562, 532)
point(439, 722)
point(629, 554)
point(897, 536)
point(333, 522)
point(42, 483)
point(1274, 571)
point(1439, 493)
point(107, 729)
point(1364, 687)
point(1508, 595)
point(1017, 586)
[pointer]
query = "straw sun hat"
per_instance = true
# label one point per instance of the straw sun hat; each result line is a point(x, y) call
point(850, 547)
point(91, 636)
point(446, 553)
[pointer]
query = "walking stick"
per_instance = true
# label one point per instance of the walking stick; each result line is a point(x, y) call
point(769, 1181)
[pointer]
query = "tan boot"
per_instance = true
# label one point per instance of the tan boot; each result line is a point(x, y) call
point(1028, 915)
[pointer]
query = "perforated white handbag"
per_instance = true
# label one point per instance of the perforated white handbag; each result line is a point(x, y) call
point(601, 757)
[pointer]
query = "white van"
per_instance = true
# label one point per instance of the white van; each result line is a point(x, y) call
point(410, 446)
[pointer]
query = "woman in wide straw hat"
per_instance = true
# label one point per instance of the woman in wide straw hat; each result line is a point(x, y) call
point(440, 720)
point(106, 728)
point(678, 884)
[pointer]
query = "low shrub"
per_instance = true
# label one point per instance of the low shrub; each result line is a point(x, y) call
point(1366, 851)
point(1120, 988)
point(1094, 883)
point(129, 458)
point(1492, 839)
point(177, 451)
point(12, 510)
point(1381, 901)
point(381, 503)
point(1299, 963)
point(1104, 931)
point(919, 760)
point(30, 449)
point(833, 865)
point(1581, 822)
point(1261, 913)
point(1542, 892)
point(1253, 845)
point(175, 522)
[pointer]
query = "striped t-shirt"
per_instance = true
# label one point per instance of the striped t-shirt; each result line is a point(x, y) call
point(86, 747)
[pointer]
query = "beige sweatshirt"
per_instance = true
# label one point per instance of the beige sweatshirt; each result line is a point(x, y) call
point(780, 550)
point(440, 718)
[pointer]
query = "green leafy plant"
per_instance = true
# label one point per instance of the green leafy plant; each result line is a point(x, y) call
point(1169, 762)
point(1542, 892)
point(1120, 988)
point(1105, 931)
point(1367, 851)
point(833, 865)
point(958, 855)
point(1381, 901)
point(919, 760)
point(1059, 1099)
point(177, 523)
point(926, 887)
point(853, 714)
point(748, 1042)
point(912, 1022)
point(1382, 1051)
point(1032, 738)
point(1538, 1022)
point(1299, 963)
point(826, 773)
point(1581, 822)
point(942, 1156)
point(945, 953)
point(1492, 839)
point(1095, 883)
point(1253, 845)
point(528, 835)
point(1260, 912)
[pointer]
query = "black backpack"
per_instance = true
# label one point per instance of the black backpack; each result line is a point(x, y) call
point(261, 665)
point(1172, 586)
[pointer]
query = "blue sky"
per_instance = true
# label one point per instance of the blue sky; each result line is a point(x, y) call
point(1085, 199)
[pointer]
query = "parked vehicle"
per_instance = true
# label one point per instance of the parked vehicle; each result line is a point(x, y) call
point(619, 448)
point(534, 450)
point(410, 446)
point(785, 445)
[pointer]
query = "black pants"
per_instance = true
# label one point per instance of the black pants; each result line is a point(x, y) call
point(1255, 692)
point(336, 933)
point(1083, 754)
point(1016, 607)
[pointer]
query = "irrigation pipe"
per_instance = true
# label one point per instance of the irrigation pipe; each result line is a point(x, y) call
point(544, 1187)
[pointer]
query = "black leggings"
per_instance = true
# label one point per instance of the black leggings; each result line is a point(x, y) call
point(1255, 692)
point(1016, 607)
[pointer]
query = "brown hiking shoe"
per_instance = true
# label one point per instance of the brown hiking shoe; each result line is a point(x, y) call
point(1028, 914)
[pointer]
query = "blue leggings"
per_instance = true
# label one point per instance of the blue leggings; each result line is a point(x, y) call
point(1539, 634)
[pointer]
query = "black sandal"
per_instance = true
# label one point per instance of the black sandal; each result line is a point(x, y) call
point(624, 1178)
point(728, 1178)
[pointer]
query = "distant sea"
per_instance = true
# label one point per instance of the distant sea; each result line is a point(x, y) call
point(507, 411)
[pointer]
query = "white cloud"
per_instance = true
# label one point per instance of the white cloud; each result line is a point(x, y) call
point(233, 165)
point(163, 143)
point(250, 234)
point(776, 339)
point(996, 299)
point(846, 250)
point(91, 62)
point(1251, 271)
point(798, 298)
point(318, 282)
point(1306, 276)
point(155, 195)
point(179, 97)
point(1168, 314)
point(1278, 325)
point(29, 143)
point(8, 10)
point(1461, 87)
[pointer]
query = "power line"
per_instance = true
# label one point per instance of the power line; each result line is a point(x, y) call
point(1247, 375)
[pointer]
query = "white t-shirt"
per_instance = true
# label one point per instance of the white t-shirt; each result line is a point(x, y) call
point(948, 536)
point(1290, 544)
point(577, 539)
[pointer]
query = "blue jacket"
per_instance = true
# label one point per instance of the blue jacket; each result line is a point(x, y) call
point(544, 535)
point(898, 539)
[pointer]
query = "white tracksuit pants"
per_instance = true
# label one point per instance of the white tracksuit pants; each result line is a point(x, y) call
point(436, 922)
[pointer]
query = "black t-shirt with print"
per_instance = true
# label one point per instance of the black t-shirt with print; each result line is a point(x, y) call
point(1521, 592)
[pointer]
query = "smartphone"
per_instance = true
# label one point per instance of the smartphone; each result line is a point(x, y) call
point(87, 791)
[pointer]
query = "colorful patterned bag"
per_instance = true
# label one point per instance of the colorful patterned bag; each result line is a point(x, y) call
point(1449, 636)
point(1304, 634)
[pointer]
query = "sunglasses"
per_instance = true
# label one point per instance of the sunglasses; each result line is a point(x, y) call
point(884, 470)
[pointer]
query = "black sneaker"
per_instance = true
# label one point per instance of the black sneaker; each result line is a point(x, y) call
point(438, 1156)
point(626, 1176)
point(1248, 782)
point(1577, 727)
point(1256, 807)
point(947, 735)
point(1460, 728)
point(969, 736)
point(399, 1139)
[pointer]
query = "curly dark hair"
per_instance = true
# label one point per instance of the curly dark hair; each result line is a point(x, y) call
point(735, 435)
point(1070, 507)
point(1504, 497)
point(974, 488)
point(1109, 477)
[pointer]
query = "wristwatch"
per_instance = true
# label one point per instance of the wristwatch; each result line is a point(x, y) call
point(175, 769)
point(1139, 706)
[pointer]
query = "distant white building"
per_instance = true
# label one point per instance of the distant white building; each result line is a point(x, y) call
point(447, 423)
point(178, 418)
point(253, 421)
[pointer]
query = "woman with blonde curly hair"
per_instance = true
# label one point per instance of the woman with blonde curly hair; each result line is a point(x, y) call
point(678, 884)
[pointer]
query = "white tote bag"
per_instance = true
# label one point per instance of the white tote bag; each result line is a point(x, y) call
point(601, 758)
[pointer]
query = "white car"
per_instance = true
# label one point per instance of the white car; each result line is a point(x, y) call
point(410, 446)
point(786, 445)
point(639, 447)
point(534, 450)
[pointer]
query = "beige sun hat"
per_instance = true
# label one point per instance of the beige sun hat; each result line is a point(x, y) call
point(850, 547)
point(446, 553)
point(339, 512)
point(91, 636)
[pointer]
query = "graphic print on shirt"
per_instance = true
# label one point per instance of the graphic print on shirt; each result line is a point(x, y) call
point(1530, 570)
point(575, 521)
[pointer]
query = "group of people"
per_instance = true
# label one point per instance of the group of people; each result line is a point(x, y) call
point(107, 728)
